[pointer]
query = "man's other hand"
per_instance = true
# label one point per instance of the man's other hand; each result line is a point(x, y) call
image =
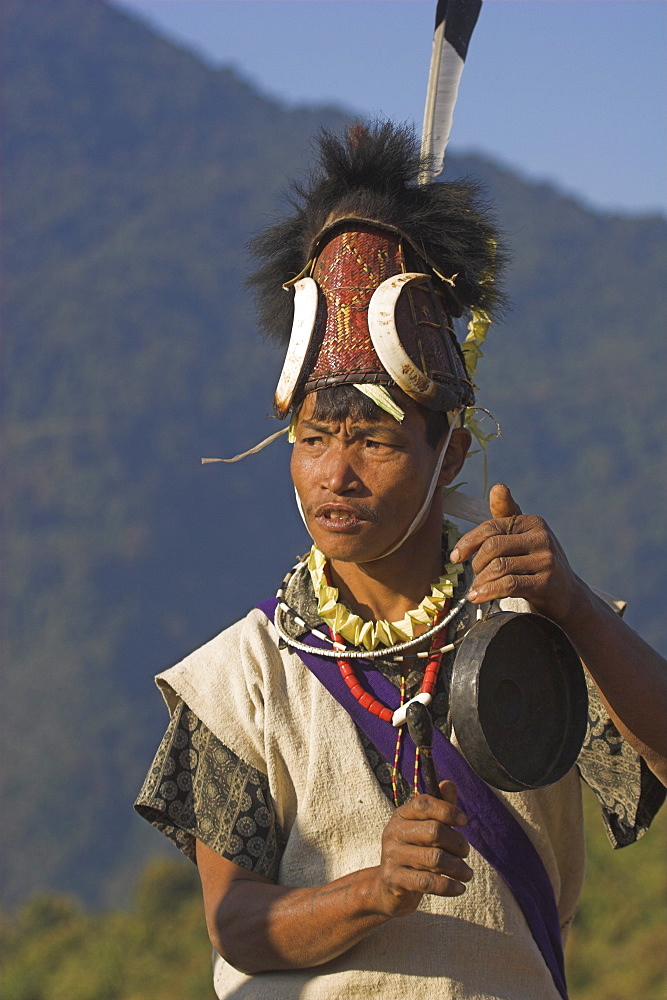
point(423, 852)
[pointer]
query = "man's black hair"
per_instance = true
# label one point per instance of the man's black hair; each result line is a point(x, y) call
point(372, 173)
point(337, 402)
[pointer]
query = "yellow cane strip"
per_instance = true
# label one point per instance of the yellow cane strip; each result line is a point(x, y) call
point(399, 733)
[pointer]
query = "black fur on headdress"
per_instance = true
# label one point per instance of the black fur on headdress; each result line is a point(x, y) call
point(371, 174)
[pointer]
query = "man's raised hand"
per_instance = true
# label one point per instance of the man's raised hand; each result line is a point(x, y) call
point(517, 555)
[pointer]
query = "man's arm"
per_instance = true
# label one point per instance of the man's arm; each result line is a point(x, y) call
point(258, 926)
point(530, 563)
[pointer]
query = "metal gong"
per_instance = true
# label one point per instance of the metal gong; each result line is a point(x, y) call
point(519, 703)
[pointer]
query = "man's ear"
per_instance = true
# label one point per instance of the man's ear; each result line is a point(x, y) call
point(455, 456)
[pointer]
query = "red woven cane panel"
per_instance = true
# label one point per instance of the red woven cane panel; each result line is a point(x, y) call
point(348, 271)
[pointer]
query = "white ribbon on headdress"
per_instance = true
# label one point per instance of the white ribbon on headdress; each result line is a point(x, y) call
point(251, 451)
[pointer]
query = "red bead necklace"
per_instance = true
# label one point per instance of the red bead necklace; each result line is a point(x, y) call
point(376, 707)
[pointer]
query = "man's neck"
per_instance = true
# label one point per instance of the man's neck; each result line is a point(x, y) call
point(388, 588)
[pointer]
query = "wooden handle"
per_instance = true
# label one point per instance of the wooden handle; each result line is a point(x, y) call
point(420, 728)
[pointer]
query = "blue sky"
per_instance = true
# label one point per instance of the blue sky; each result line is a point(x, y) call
point(572, 91)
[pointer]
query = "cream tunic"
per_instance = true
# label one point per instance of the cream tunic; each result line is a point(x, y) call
point(265, 705)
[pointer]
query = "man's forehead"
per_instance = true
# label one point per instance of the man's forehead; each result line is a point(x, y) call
point(326, 403)
point(353, 424)
point(349, 415)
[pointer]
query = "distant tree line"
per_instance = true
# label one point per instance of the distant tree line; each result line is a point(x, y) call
point(54, 950)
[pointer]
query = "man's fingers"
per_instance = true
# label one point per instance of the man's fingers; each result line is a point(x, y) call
point(473, 540)
point(431, 859)
point(426, 807)
point(422, 851)
point(414, 880)
point(506, 586)
point(448, 792)
point(441, 852)
point(431, 834)
point(495, 534)
point(501, 502)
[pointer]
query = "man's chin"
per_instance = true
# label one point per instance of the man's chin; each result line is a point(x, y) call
point(341, 553)
point(347, 548)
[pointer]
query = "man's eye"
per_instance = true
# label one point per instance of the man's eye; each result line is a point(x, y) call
point(376, 444)
point(311, 440)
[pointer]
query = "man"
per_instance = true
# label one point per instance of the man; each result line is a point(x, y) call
point(324, 874)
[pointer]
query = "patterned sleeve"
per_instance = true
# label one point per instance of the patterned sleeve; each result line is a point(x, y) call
point(627, 790)
point(198, 789)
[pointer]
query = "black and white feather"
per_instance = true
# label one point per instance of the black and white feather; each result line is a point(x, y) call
point(454, 24)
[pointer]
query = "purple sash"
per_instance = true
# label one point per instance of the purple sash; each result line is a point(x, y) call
point(491, 829)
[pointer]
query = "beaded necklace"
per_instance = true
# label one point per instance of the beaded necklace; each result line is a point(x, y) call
point(398, 717)
point(379, 640)
point(371, 634)
point(425, 696)
point(436, 633)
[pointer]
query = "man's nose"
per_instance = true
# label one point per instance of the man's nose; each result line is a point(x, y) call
point(339, 475)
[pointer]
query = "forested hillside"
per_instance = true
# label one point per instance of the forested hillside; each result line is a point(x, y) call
point(157, 948)
point(133, 177)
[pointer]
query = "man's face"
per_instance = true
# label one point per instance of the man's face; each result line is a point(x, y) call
point(360, 482)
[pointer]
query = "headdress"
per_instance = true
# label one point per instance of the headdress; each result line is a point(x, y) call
point(380, 259)
point(379, 262)
point(377, 267)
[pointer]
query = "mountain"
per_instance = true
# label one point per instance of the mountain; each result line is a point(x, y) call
point(133, 177)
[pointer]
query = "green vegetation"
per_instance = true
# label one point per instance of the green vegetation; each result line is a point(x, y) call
point(53, 950)
point(618, 942)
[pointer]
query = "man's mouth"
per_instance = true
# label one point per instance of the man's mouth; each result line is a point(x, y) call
point(335, 518)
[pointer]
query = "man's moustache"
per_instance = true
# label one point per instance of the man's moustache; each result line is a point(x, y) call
point(362, 511)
